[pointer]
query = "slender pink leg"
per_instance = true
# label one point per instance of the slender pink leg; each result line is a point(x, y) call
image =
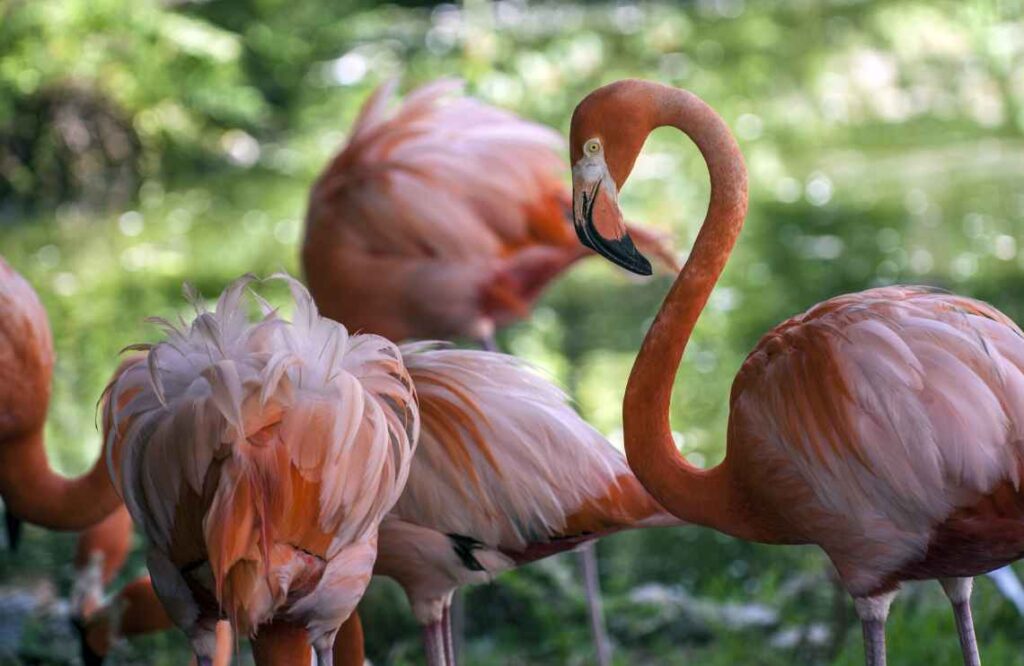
point(433, 643)
point(449, 644)
point(595, 606)
point(959, 592)
point(873, 611)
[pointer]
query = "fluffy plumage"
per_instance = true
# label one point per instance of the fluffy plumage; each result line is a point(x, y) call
point(258, 457)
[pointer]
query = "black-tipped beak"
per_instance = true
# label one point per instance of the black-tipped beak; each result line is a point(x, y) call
point(620, 251)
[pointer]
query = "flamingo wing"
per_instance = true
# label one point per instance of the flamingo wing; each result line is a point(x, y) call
point(505, 460)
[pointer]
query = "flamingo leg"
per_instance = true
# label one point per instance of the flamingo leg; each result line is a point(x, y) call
point(873, 610)
point(325, 656)
point(433, 643)
point(595, 607)
point(449, 643)
point(489, 343)
point(958, 590)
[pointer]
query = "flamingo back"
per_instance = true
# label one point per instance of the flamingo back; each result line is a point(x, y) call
point(268, 449)
point(492, 179)
point(505, 460)
point(891, 408)
point(26, 356)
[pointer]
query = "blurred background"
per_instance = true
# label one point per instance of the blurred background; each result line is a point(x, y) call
point(143, 143)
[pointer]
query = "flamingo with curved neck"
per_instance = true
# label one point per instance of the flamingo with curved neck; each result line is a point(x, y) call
point(31, 490)
point(882, 426)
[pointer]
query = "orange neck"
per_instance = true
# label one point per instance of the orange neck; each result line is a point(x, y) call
point(706, 497)
point(34, 493)
point(281, 643)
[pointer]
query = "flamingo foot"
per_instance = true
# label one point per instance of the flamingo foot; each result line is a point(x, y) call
point(959, 592)
point(873, 611)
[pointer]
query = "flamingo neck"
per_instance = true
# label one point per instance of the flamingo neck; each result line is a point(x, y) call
point(706, 497)
point(34, 493)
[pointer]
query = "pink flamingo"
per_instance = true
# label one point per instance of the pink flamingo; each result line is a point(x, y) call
point(883, 426)
point(259, 458)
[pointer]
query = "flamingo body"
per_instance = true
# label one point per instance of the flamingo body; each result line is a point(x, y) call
point(506, 473)
point(884, 426)
point(258, 459)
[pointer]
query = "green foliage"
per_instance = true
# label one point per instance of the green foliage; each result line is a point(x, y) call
point(884, 144)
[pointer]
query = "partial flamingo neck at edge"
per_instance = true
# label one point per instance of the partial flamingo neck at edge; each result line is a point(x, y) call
point(34, 492)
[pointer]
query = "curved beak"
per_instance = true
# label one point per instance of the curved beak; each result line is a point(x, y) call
point(599, 226)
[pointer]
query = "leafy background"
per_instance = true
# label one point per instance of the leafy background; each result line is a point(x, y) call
point(145, 143)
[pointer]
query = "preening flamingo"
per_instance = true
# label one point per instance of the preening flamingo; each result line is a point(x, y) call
point(442, 219)
point(259, 458)
point(883, 426)
point(506, 473)
point(31, 490)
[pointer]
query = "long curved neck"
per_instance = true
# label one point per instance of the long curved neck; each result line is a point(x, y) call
point(34, 493)
point(705, 497)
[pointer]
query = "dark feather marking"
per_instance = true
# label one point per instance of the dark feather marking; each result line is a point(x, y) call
point(464, 547)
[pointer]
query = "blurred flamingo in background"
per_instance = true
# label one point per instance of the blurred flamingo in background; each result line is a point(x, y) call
point(883, 426)
point(259, 458)
point(30, 489)
point(445, 218)
point(506, 473)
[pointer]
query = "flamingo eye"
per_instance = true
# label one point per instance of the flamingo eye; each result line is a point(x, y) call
point(592, 147)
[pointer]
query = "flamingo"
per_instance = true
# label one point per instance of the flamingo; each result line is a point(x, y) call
point(506, 473)
point(883, 426)
point(258, 458)
point(30, 488)
point(446, 218)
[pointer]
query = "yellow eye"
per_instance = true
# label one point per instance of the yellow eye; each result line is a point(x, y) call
point(592, 147)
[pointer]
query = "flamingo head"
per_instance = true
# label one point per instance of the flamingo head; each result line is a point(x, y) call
point(608, 130)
